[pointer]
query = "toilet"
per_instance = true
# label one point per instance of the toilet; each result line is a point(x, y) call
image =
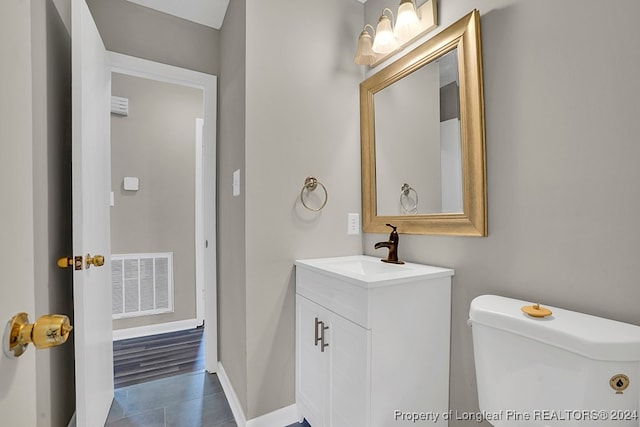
point(565, 369)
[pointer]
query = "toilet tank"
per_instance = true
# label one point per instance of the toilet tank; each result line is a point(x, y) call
point(566, 369)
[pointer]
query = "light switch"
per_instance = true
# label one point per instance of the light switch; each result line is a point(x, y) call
point(112, 199)
point(353, 224)
point(131, 183)
point(236, 182)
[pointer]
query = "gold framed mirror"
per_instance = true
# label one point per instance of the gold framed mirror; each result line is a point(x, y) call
point(423, 138)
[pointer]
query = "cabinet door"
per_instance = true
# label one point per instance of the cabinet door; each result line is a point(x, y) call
point(350, 373)
point(311, 363)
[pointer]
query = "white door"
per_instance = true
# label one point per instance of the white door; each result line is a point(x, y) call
point(91, 94)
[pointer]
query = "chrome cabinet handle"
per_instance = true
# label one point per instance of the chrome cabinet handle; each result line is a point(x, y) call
point(323, 344)
point(317, 334)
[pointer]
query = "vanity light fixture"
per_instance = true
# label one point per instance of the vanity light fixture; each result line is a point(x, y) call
point(385, 40)
point(365, 54)
point(412, 22)
point(407, 24)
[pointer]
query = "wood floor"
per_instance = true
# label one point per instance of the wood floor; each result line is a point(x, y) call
point(137, 360)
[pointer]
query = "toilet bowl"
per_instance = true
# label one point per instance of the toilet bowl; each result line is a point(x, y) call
point(565, 369)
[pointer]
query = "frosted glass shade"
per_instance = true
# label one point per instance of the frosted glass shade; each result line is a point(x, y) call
point(385, 41)
point(365, 54)
point(407, 24)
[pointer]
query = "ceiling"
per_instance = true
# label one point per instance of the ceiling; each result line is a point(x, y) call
point(206, 12)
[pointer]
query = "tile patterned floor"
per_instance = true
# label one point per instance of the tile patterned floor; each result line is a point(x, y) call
point(187, 400)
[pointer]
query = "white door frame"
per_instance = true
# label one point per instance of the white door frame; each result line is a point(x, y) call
point(201, 245)
point(206, 218)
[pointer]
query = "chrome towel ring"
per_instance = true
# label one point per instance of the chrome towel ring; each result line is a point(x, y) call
point(310, 184)
point(408, 204)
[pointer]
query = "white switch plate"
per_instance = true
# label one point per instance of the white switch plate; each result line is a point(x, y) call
point(236, 182)
point(353, 224)
point(112, 199)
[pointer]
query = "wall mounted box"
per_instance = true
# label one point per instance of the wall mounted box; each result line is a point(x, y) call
point(385, 332)
point(131, 183)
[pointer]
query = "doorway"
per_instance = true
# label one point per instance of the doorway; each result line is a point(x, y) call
point(172, 177)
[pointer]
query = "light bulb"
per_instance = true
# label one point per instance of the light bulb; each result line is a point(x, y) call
point(385, 41)
point(407, 24)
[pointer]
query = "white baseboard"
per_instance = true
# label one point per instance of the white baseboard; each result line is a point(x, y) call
point(72, 421)
point(279, 418)
point(232, 397)
point(161, 328)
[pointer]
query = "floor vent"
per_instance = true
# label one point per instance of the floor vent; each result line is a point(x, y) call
point(142, 284)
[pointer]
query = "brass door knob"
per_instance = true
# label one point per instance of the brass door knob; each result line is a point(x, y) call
point(97, 260)
point(48, 331)
point(67, 261)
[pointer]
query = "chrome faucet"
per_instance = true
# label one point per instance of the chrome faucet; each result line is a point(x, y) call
point(392, 244)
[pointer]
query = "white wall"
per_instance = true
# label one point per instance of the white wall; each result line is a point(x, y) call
point(561, 91)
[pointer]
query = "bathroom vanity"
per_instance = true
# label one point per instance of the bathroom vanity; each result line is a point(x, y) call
point(372, 341)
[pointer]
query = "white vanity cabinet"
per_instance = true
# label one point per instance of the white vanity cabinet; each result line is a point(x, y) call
point(372, 341)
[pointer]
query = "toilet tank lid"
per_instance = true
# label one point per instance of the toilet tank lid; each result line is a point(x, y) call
point(593, 337)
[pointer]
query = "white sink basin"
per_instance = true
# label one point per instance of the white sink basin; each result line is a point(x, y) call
point(365, 266)
point(369, 271)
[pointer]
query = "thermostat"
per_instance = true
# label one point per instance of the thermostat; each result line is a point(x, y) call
point(131, 183)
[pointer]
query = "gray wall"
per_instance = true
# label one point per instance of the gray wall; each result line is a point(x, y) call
point(156, 143)
point(51, 58)
point(561, 92)
point(17, 377)
point(232, 311)
point(293, 114)
point(36, 205)
point(142, 32)
point(301, 119)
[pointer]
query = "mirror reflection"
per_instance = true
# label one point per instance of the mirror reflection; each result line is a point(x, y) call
point(417, 144)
